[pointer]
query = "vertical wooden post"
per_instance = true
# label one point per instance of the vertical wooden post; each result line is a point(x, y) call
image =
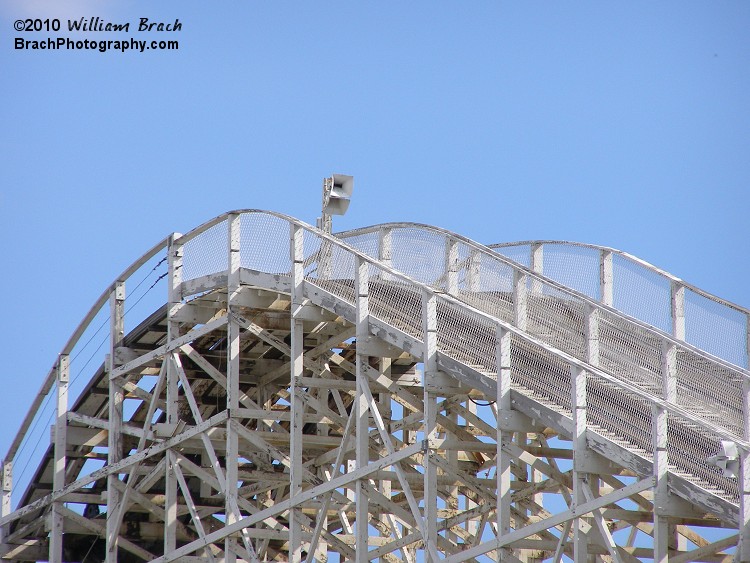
point(592, 335)
point(429, 323)
point(537, 265)
point(663, 532)
point(58, 476)
point(174, 262)
point(297, 367)
point(451, 266)
point(661, 491)
point(678, 310)
point(520, 298)
point(385, 246)
point(473, 270)
point(115, 412)
point(579, 406)
point(504, 435)
point(743, 546)
point(6, 490)
point(233, 378)
point(384, 404)
point(362, 447)
point(606, 278)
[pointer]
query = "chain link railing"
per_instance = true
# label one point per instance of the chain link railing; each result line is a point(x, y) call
point(642, 291)
point(571, 321)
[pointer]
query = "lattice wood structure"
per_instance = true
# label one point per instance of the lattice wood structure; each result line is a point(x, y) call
point(397, 393)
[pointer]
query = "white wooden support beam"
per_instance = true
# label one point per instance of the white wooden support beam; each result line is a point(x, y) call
point(233, 377)
point(174, 270)
point(400, 474)
point(115, 415)
point(606, 278)
point(669, 371)
point(537, 265)
point(385, 246)
point(664, 533)
point(385, 250)
point(6, 490)
point(606, 535)
point(504, 437)
point(579, 405)
point(554, 520)
point(296, 469)
point(58, 475)
point(661, 491)
point(520, 298)
point(451, 266)
point(194, 515)
point(473, 270)
point(326, 503)
point(429, 324)
point(362, 444)
point(678, 310)
point(384, 404)
point(743, 547)
point(121, 467)
point(175, 254)
point(284, 505)
point(592, 334)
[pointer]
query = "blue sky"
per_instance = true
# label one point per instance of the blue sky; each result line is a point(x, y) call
point(623, 124)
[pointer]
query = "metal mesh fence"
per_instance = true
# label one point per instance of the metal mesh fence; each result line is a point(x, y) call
point(641, 293)
point(541, 372)
point(624, 417)
point(419, 254)
point(711, 390)
point(716, 328)
point(627, 350)
point(264, 243)
point(329, 266)
point(688, 447)
point(556, 319)
point(207, 253)
point(395, 302)
point(466, 336)
point(630, 353)
point(520, 253)
point(576, 267)
point(367, 243)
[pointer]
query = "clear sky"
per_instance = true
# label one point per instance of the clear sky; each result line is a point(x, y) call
point(619, 123)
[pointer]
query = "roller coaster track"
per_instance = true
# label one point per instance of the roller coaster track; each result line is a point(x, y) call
point(397, 392)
